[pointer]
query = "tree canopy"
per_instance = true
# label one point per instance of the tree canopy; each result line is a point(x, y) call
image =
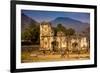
point(67, 32)
point(32, 33)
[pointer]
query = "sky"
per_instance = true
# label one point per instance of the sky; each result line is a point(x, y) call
point(41, 16)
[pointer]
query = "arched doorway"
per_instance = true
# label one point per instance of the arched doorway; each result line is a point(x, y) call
point(54, 46)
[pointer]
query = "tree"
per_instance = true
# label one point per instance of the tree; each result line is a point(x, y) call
point(70, 31)
point(35, 33)
point(32, 33)
point(60, 27)
point(55, 31)
point(25, 35)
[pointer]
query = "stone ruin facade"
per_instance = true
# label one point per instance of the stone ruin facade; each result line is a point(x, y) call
point(47, 39)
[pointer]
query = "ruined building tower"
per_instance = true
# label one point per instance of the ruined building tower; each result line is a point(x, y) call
point(46, 36)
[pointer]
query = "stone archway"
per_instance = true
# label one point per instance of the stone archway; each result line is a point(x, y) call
point(54, 45)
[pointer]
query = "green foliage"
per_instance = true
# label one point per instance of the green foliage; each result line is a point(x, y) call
point(25, 35)
point(68, 32)
point(60, 27)
point(55, 31)
point(31, 33)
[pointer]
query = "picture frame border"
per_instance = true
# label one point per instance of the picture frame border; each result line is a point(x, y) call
point(13, 36)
